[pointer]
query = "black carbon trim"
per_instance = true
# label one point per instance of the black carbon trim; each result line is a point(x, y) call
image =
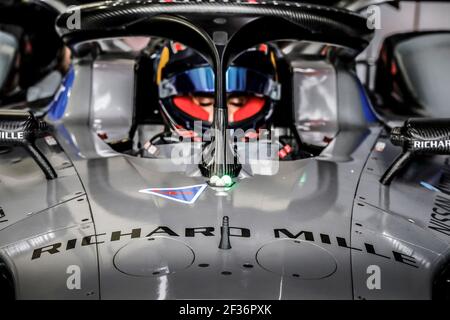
point(341, 24)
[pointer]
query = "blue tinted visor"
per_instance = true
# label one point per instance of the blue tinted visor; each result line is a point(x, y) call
point(201, 80)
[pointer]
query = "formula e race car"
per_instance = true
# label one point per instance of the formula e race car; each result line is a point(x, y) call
point(227, 150)
point(34, 63)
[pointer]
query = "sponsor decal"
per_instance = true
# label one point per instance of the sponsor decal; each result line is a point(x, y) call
point(440, 213)
point(380, 146)
point(418, 144)
point(4, 135)
point(205, 232)
point(50, 141)
point(186, 195)
point(2, 215)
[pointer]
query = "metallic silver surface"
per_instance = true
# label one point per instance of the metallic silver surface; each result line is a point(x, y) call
point(112, 97)
point(316, 196)
point(308, 230)
point(315, 100)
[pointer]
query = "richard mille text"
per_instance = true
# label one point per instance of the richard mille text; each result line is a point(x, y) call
point(206, 232)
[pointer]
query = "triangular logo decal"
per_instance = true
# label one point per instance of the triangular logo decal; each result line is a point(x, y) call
point(186, 194)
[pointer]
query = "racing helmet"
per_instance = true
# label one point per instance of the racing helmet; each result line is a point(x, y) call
point(8, 51)
point(186, 87)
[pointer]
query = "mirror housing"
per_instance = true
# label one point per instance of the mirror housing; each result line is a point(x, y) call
point(21, 128)
point(418, 136)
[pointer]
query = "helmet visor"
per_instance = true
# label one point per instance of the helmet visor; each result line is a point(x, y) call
point(201, 80)
point(8, 49)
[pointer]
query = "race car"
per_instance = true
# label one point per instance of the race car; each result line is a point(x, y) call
point(34, 63)
point(221, 150)
point(412, 75)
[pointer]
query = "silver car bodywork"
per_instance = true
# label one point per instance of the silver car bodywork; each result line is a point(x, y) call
point(312, 230)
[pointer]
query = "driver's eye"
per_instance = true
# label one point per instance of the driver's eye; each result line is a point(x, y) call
point(237, 101)
point(204, 101)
